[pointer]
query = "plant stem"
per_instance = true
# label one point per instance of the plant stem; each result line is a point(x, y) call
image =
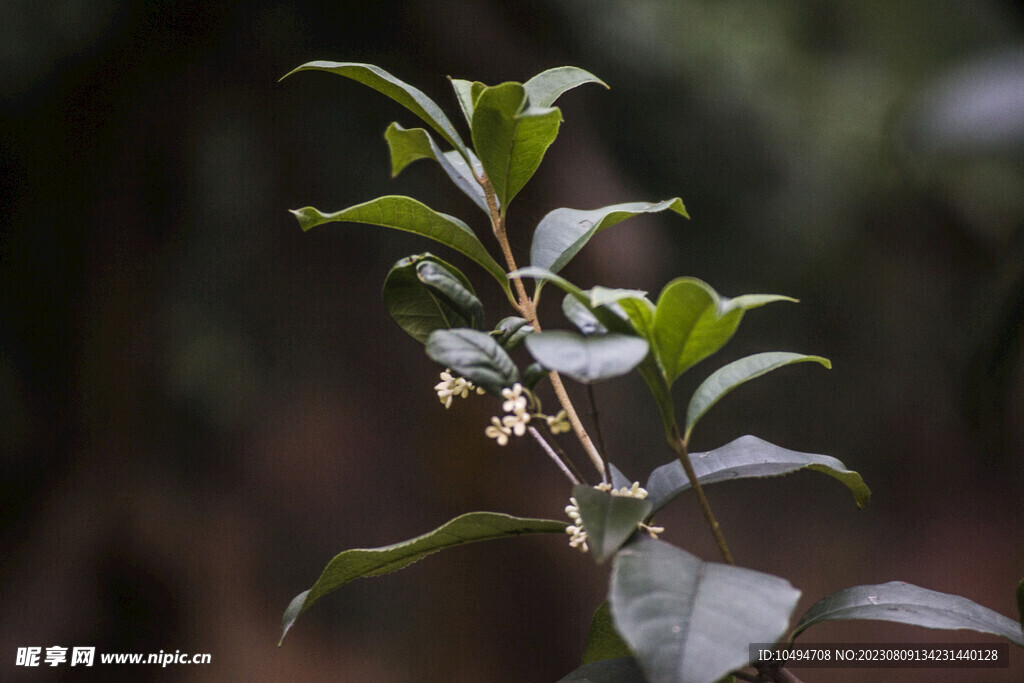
point(551, 454)
point(679, 446)
point(597, 420)
point(528, 310)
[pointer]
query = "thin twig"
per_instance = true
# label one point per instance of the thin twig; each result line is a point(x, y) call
point(679, 446)
point(597, 420)
point(551, 453)
point(565, 458)
point(526, 307)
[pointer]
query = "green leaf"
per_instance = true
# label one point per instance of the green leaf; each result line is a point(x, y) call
point(580, 316)
point(906, 603)
point(621, 670)
point(547, 86)
point(423, 293)
point(649, 369)
point(412, 144)
point(691, 321)
point(360, 563)
point(474, 355)
point(603, 641)
point(608, 520)
point(587, 359)
point(604, 314)
point(511, 332)
point(511, 137)
point(727, 378)
point(464, 91)
point(405, 213)
point(532, 375)
point(563, 232)
point(746, 457)
point(618, 479)
point(413, 99)
point(690, 621)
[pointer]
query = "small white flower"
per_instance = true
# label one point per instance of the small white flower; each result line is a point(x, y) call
point(515, 401)
point(634, 491)
point(517, 422)
point(451, 386)
point(498, 431)
point(575, 530)
point(559, 422)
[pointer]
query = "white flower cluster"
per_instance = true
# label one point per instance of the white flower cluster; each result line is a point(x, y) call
point(450, 386)
point(517, 408)
point(578, 536)
point(516, 404)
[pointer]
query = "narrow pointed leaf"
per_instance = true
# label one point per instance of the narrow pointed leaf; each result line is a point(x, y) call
point(692, 321)
point(608, 520)
point(746, 457)
point(464, 94)
point(423, 293)
point(606, 296)
point(547, 86)
point(511, 137)
point(413, 99)
point(690, 621)
point(360, 563)
point(587, 359)
point(603, 641)
point(906, 603)
point(563, 232)
point(619, 670)
point(412, 144)
point(454, 289)
point(474, 355)
point(405, 213)
point(618, 479)
point(727, 378)
point(580, 316)
point(532, 375)
point(511, 332)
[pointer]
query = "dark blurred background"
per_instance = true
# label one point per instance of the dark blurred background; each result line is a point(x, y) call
point(200, 405)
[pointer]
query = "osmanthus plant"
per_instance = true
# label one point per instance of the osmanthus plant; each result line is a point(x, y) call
point(670, 615)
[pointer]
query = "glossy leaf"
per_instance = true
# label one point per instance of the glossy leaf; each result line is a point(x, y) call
point(474, 355)
point(412, 144)
point(580, 316)
point(360, 563)
point(405, 213)
point(620, 670)
point(413, 99)
point(691, 321)
point(511, 137)
point(532, 375)
point(617, 478)
point(690, 621)
point(746, 457)
point(607, 317)
point(603, 641)
point(422, 293)
point(608, 520)
point(563, 232)
point(466, 93)
point(511, 332)
point(547, 86)
point(587, 359)
point(727, 378)
point(909, 604)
